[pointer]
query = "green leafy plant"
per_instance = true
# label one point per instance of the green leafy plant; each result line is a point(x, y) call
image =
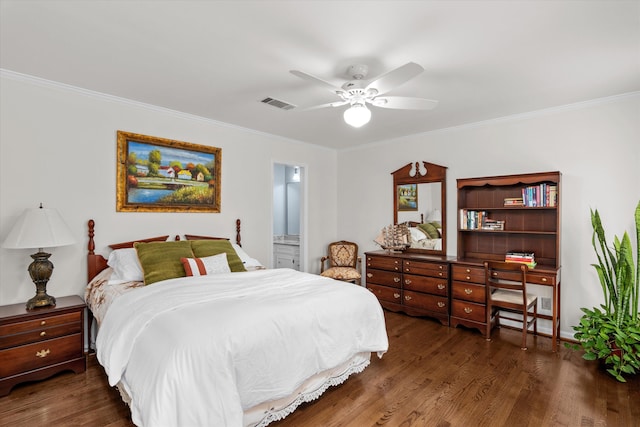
point(611, 332)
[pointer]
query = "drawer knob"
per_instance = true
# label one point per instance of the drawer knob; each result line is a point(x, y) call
point(468, 270)
point(396, 295)
point(407, 297)
point(468, 278)
point(369, 275)
point(43, 333)
point(396, 268)
point(407, 281)
point(468, 291)
point(495, 274)
point(440, 267)
point(440, 274)
point(43, 353)
point(407, 270)
point(468, 310)
point(42, 323)
point(396, 279)
point(441, 286)
point(440, 304)
point(544, 279)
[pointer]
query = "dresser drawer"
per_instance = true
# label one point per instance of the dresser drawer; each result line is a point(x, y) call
point(465, 273)
point(382, 277)
point(468, 310)
point(469, 292)
point(541, 278)
point(434, 269)
point(385, 293)
point(384, 263)
point(432, 285)
point(425, 301)
point(41, 334)
point(33, 356)
point(39, 324)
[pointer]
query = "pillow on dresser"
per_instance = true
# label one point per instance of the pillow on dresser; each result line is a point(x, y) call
point(206, 248)
point(205, 266)
point(161, 260)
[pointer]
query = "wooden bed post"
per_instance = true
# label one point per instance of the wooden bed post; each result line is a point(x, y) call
point(238, 238)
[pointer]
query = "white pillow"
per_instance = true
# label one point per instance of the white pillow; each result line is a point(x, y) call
point(417, 234)
point(126, 265)
point(247, 261)
point(207, 265)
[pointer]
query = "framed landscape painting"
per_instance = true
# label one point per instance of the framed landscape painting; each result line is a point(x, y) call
point(163, 175)
point(407, 197)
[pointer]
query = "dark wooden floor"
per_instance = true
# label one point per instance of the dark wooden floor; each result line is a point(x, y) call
point(431, 376)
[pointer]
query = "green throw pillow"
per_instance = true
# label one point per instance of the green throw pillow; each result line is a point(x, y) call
point(205, 248)
point(430, 230)
point(161, 260)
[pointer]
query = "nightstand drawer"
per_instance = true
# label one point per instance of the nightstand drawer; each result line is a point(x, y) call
point(40, 323)
point(41, 334)
point(33, 356)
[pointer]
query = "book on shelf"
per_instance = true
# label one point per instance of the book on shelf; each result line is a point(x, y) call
point(542, 195)
point(478, 220)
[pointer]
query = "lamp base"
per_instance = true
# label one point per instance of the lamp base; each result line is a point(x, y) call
point(40, 271)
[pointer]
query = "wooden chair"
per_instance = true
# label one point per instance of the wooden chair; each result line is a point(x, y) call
point(507, 292)
point(344, 262)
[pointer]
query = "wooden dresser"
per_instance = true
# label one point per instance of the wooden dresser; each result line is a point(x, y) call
point(414, 284)
point(39, 343)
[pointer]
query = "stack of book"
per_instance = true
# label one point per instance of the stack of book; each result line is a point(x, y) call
point(521, 257)
point(513, 201)
point(492, 224)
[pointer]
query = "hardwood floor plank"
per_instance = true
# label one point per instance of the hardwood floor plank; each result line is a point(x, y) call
point(431, 376)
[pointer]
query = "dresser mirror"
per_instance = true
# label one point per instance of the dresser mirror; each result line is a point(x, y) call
point(419, 200)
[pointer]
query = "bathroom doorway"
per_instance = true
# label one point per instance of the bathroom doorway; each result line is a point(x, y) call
point(288, 224)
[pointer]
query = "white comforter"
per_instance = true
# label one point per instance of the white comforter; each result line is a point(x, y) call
point(197, 351)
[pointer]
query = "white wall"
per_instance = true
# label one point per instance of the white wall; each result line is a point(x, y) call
point(595, 145)
point(58, 147)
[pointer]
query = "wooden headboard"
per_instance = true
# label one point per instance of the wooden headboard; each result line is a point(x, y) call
point(96, 263)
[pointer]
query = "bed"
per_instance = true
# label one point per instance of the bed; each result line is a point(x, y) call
point(239, 345)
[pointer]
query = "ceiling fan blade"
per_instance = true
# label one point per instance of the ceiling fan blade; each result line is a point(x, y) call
point(330, 104)
point(317, 81)
point(404, 103)
point(395, 78)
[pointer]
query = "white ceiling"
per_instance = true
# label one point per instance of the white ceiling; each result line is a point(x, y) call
point(218, 59)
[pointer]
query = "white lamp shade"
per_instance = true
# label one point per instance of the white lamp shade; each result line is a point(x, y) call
point(358, 115)
point(39, 228)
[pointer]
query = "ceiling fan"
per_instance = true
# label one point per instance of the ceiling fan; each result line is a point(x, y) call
point(358, 92)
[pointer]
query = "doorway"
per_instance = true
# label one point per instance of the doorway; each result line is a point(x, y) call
point(288, 224)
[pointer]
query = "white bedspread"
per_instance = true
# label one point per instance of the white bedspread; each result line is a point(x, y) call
point(198, 351)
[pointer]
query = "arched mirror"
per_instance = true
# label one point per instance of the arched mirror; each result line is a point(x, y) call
point(419, 199)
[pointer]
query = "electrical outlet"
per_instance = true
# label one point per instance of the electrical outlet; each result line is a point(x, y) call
point(545, 303)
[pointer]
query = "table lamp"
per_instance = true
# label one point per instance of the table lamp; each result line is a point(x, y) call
point(39, 228)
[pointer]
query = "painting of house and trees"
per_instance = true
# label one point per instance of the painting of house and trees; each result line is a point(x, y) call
point(163, 175)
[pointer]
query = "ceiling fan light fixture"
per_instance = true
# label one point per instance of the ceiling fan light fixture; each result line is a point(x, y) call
point(357, 115)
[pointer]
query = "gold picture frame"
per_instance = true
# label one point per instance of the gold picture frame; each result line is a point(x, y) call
point(164, 175)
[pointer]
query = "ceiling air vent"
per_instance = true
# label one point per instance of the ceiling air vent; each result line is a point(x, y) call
point(278, 104)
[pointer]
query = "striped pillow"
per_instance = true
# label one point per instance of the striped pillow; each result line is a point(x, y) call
point(207, 265)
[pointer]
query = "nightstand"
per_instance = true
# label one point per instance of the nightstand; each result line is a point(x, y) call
point(35, 344)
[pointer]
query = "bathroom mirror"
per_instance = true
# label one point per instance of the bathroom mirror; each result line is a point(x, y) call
point(419, 199)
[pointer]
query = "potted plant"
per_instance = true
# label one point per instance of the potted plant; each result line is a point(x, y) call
point(611, 333)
